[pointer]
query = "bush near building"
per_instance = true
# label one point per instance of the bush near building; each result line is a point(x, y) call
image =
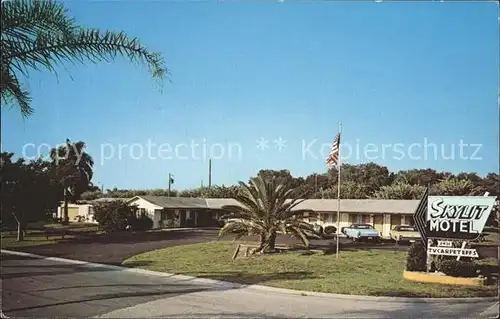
point(118, 216)
point(416, 259)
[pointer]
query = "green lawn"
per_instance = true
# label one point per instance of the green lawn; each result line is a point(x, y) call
point(32, 239)
point(363, 272)
point(75, 227)
point(35, 236)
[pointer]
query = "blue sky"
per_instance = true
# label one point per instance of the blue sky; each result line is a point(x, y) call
point(408, 72)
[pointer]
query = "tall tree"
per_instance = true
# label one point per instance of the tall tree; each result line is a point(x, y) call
point(455, 187)
point(348, 190)
point(422, 177)
point(283, 174)
point(268, 206)
point(28, 194)
point(214, 191)
point(72, 168)
point(40, 35)
point(372, 175)
point(318, 182)
point(400, 190)
point(491, 183)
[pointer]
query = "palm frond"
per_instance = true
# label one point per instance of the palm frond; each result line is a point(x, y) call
point(242, 227)
point(299, 234)
point(20, 19)
point(39, 35)
point(249, 196)
point(50, 50)
point(13, 93)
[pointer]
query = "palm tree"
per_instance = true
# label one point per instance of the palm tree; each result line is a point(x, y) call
point(72, 168)
point(40, 35)
point(266, 207)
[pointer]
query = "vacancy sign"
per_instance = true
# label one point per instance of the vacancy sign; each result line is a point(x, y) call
point(457, 217)
point(463, 252)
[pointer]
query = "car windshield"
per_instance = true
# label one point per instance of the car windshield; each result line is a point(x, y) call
point(362, 226)
point(407, 228)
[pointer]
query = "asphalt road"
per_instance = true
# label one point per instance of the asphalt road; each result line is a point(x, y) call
point(45, 288)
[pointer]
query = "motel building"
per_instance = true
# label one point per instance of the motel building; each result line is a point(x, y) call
point(382, 214)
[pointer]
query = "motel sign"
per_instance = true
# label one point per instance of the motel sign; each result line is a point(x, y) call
point(449, 219)
point(457, 217)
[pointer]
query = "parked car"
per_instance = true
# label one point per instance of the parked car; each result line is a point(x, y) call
point(404, 233)
point(358, 232)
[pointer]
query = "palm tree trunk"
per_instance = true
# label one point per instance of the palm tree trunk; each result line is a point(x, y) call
point(267, 243)
point(20, 231)
point(65, 211)
point(262, 241)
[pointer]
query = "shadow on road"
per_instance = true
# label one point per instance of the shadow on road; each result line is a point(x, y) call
point(52, 269)
point(415, 310)
point(119, 295)
point(87, 292)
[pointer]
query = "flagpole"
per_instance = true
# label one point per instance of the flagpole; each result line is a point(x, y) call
point(338, 191)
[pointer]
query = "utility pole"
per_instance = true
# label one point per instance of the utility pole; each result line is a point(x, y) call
point(102, 189)
point(209, 172)
point(201, 185)
point(316, 183)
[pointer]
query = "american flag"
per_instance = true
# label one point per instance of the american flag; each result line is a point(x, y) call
point(333, 158)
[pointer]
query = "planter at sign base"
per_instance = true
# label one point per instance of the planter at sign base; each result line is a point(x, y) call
point(442, 279)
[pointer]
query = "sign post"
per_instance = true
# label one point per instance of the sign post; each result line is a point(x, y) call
point(451, 218)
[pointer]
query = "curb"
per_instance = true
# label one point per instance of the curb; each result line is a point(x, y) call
point(224, 285)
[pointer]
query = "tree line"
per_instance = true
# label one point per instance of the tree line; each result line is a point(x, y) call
point(32, 190)
point(360, 181)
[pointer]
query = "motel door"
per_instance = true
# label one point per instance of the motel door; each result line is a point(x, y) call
point(182, 219)
point(378, 223)
point(395, 220)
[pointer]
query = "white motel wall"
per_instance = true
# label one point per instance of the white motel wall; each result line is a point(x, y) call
point(76, 212)
point(382, 214)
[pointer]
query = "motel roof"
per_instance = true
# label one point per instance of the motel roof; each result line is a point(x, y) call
point(391, 206)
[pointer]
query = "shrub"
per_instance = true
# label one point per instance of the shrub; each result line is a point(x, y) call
point(416, 259)
point(330, 230)
point(458, 268)
point(113, 216)
point(141, 223)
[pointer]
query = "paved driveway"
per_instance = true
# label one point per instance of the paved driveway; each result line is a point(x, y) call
point(115, 248)
point(45, 288)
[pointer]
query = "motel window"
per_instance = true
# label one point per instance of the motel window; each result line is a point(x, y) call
point(333, 218)
point(410, 221)
point(353, 219)
point(366, 219)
